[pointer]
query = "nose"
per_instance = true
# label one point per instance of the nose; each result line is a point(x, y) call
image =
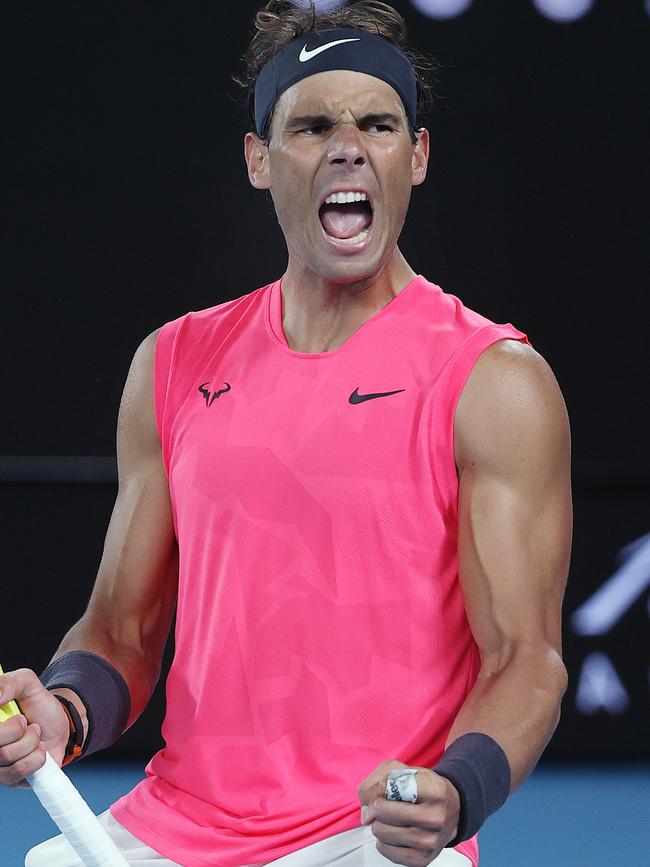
point(346, 146)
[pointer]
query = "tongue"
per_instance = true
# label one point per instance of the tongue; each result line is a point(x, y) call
point(346, 221)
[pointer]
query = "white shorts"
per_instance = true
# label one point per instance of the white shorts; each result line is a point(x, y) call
point(353, 848)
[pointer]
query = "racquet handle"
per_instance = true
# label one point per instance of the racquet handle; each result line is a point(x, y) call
point(73, 817)
point(68, 810)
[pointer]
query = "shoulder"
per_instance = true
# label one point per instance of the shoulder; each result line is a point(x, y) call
point(142, 363)
point(506, 363)
point(511, 405)
point(206, 323)
point(224, 310)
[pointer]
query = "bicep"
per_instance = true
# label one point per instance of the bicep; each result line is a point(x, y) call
point(512, 444)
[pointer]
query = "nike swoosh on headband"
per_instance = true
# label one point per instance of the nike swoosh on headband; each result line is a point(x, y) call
point(307, 55)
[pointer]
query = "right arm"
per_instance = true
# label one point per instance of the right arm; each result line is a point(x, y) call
point(128, 617)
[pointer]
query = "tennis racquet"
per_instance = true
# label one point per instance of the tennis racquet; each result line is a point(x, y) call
point(69, 811)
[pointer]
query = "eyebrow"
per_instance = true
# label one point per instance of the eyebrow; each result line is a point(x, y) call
point(323, 120)
point(385, 117)
point(310, 120)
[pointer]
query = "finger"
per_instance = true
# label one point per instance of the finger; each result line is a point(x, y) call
point(429, 786)
point(19, 685)
point(428, 816)
point(12, 729)
point(432, 787)
point(410, 838)
point(21, 769)
point(409, 857)
point(375, 783)
point(19, 749)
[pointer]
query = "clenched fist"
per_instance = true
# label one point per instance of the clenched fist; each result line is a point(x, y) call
point(42, 725)
point(410, 834)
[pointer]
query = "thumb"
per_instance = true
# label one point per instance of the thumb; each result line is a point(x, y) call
point(20, 685)
point(366, 817)
point(367, 809)
point(374, 787)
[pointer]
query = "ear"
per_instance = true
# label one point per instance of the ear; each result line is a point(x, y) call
point(256, 154)
point(420, 158)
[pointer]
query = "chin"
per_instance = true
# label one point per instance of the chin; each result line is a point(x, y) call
point(347, 267)
point(348, 270)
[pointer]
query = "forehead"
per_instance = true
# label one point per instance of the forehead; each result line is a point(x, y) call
point(333, 92)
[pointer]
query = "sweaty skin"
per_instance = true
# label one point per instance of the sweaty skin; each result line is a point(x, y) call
point(329, 292)
point(336, 131)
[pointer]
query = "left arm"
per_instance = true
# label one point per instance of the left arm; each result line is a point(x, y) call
point(512, 446)
point(512, 449)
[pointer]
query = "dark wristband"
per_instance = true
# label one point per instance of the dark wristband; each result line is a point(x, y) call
point(102, 690)
point(74, 746)
point(478, 768)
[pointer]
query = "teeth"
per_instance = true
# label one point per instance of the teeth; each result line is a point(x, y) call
point(344, 198)
point(356, 240)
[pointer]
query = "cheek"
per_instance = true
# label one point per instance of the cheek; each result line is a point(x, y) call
point(397, 172)
point(291, 198)
point(290, 181)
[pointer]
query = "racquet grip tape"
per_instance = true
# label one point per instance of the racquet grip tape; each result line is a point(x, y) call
point(73, 817)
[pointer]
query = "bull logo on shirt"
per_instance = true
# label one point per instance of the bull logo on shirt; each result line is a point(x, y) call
point(209, 396)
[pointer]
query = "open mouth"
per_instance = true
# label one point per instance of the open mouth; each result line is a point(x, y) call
point(346, 216)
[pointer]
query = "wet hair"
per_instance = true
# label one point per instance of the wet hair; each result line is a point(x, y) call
point(280, 21)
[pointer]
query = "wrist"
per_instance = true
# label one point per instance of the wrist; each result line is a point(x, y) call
point(77, 715)
point(453, 799)
point(479, 771)
point(99, 688)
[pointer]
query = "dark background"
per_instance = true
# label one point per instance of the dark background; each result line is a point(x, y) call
point(127, 203)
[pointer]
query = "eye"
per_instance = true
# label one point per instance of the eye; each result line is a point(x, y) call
point(314, 130)
point(379, 127)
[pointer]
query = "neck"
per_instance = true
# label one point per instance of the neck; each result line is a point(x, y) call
point(319, 314)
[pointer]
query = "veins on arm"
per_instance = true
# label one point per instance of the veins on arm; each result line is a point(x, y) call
point(131, 607)
point(512, 446)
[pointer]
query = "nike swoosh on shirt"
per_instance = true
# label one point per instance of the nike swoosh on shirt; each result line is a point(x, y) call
point(355, 397)
point(307, 55)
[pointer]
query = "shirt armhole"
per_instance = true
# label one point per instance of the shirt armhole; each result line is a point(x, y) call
point(162, 374)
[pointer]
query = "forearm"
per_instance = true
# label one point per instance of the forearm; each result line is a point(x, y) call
point(139, 668)
point(516, 701)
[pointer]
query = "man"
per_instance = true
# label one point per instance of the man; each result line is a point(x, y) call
point(357, 492)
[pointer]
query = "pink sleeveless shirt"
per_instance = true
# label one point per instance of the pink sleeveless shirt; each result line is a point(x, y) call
point(320, 626)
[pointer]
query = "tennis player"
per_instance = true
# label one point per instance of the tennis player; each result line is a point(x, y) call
point(356, 492)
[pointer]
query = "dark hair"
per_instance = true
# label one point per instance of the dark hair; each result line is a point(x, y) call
point(280, 21)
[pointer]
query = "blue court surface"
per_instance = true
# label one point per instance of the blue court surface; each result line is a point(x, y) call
point(568, 816)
